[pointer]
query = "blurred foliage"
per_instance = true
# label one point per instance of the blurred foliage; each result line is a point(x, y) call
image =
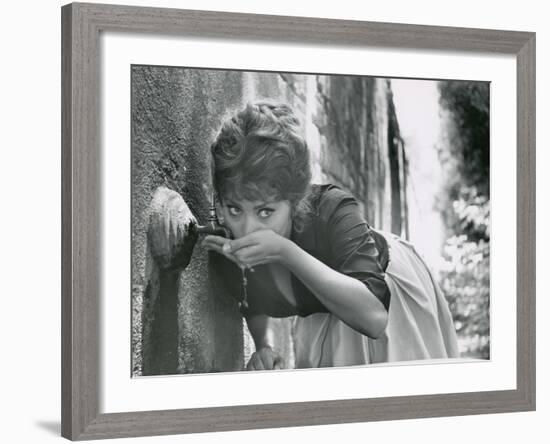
point(465, 277)
point(464, 203)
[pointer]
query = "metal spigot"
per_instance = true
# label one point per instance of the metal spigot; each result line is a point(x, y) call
point(213, 225)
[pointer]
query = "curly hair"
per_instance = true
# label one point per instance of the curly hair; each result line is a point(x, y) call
point(259, 153)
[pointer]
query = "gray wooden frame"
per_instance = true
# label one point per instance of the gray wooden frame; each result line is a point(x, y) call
point(81, 167)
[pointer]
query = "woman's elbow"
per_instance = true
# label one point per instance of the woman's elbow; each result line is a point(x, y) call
point(378, 323)
point(376, 316)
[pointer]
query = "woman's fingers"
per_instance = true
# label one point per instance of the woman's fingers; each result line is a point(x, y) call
point(215, 243)
point(212, 244)
point(278, 363)
point(242, 242)
point(254, 255)
point(266, 356)
point(246, 257)
point(256, 259)
point(246, 254)
point(213, 247)
point(265, 359)
point(215, 240)
point(255, 363)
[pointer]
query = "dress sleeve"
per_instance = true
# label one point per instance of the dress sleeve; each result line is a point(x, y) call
point(352, 247)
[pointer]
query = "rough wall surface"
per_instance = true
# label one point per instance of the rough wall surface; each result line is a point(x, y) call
point(174, 113)
point(188, 322)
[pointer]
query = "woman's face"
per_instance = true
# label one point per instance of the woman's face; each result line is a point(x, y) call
point(243, 216)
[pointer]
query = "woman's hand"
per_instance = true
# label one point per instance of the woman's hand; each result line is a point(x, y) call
point(260, 247)
point(265, 359)
point(216, 243)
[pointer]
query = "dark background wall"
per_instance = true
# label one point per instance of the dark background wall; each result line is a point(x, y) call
point(185, 322)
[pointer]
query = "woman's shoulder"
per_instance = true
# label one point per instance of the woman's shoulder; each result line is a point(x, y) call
point(327, 198)
point(342, 227)
point(322, 202)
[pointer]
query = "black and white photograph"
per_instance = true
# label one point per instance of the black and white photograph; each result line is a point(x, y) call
point(284, 221)
point(275, 222)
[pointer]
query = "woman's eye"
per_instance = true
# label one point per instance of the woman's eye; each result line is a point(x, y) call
point(234, 211)
point(265, 212)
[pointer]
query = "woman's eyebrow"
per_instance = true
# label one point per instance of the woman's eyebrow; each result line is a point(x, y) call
point(264, 204)
point(230, 202)
point(260, 205)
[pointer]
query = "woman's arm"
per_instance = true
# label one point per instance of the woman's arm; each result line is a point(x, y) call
point(264, 358)
point(346, 297)
point(258, 325)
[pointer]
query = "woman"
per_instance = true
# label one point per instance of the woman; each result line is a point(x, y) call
point(360, 295)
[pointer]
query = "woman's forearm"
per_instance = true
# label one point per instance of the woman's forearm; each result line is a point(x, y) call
point(258, 326)
point(347, 298)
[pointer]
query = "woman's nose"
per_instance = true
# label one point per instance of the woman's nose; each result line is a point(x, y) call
point(250, 225)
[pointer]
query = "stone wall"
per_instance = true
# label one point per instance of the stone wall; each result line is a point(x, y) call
point(185, 322)
point(188, 322)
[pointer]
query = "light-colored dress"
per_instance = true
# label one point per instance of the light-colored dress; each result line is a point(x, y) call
point(420, 324)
